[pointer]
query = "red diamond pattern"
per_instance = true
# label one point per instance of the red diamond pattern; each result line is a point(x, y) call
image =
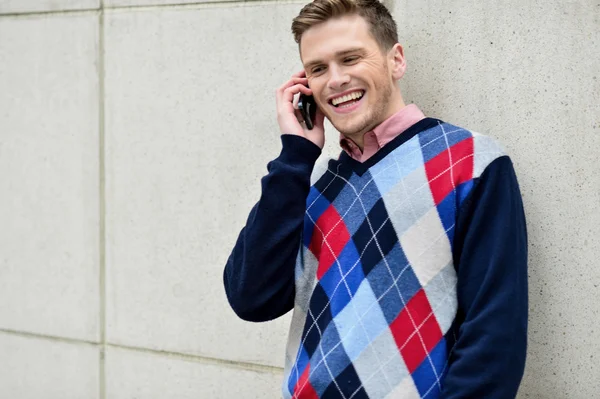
point(415, 346)
point(327, 251)
point(442, 177)
point(303, 389)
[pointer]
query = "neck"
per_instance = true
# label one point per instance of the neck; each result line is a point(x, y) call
point(396, 103)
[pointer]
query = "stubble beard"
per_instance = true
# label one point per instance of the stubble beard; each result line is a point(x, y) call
point(373, 116)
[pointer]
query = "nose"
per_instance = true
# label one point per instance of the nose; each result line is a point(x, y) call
point(337, 78)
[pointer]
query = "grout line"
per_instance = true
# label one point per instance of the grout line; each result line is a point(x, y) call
point(208, 4)
point(180, 5)
point(146, 7)
point(48, 12)
point(102, 202)
point(174, 355)
point(26, 334)
point(202, 359)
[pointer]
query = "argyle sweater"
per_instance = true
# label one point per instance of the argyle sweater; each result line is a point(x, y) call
point(407, 273)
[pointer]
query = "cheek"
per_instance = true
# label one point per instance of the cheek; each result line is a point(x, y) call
point(375, 72)
point(317, 88)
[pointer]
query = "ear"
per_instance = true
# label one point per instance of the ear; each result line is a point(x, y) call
point(397, 61)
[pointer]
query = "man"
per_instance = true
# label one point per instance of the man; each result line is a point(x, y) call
point(405, 263)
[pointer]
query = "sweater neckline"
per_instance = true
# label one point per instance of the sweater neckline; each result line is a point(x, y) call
point(361, 167)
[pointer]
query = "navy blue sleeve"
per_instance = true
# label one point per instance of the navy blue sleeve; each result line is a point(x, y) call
point(259, 274)
point(490, 247)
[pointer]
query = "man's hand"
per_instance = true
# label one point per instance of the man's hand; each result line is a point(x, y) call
point(289, 117)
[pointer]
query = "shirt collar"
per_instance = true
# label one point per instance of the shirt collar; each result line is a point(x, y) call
point(383, 133)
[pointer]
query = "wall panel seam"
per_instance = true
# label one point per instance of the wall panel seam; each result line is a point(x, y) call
point(25, 14)
point(148, 7)
point(102, 202)
point(168, 354)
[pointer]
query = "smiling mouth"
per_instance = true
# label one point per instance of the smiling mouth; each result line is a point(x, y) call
point(347, 100)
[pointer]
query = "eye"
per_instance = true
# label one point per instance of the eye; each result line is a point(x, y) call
point(351, 60)
point(316, 70)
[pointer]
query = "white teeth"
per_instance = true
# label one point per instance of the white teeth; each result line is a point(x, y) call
point(348, 97)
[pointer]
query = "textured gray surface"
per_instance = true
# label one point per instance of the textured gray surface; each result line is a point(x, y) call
point(133, 374)
point(49, 175)
point(128, 3)
point(190, 128)
point(33, 368)
point(21, 6)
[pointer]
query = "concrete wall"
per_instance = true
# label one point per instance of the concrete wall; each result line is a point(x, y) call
point(133, 134)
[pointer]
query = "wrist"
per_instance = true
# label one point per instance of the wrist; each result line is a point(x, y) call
point(299, 149)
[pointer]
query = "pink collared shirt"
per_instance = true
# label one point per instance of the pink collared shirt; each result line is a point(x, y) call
point(383, 133)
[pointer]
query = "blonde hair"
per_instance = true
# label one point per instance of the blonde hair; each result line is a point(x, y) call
point(382, 25)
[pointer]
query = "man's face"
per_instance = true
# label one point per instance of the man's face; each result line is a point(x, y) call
point(349, 75)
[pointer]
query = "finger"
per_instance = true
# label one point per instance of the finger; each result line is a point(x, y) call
point(290, 92)
point(300, 80)
point(299, 74)
point(295, 81)
point(292, 82)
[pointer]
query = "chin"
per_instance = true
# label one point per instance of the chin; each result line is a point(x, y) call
point(349, 132)
point(352, 128)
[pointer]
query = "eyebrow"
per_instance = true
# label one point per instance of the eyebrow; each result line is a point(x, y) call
point(338, 54)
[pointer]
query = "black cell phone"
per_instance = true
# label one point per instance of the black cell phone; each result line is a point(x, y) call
point(308, 108)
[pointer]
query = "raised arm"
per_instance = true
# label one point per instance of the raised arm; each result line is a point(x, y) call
point(259, 274)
